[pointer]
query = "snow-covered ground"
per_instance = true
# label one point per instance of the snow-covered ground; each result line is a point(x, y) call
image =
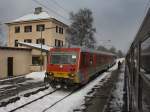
point(38, 76)
point(18, 86)
point(67, 105)
point(35, 76)
point(116, 99)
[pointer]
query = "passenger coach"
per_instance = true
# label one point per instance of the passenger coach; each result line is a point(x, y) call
point(137, 72)
point(75, 66)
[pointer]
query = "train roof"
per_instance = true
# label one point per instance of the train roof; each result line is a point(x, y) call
point(96, 51)
point(83, 49)
point(143, 32)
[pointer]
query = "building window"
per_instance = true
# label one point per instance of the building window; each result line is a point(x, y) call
point(61, 43)
point(28, 40)
point(39, 41)
point(40, 27)
point(28, 29)
point(37, 60)
point(58, 43)
point(60, 30)
point(55, 42)
point(56, 29)
point(17, 29)
point(16, 44)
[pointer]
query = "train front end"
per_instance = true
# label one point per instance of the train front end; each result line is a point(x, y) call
point(62, 67)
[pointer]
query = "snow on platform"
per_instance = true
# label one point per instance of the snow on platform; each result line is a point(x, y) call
point(116, 100)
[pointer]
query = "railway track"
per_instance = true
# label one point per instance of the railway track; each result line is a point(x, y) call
point(56, 102)
point(17, 97)
point(16, 89)
point(28, 103)
point(56, 91)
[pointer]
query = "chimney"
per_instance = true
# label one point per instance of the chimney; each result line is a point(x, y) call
point(38, 10)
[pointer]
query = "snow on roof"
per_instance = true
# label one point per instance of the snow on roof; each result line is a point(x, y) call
point(38, 46)
point(28, 17)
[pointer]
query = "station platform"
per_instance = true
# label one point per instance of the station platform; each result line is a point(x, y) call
point(109, 97)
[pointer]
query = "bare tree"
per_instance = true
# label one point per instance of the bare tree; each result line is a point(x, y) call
point(1, 42)
point(81, 30)
point(120, 54)
point(112, 49)
point(102, 48)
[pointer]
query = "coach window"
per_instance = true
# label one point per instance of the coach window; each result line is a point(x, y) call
point(145, 73)
point(145, 56)
point(135, 63)
point(83, 62)
point(91, 59)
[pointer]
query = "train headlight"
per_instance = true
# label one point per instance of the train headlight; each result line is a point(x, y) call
point(50, 73)
point(71, 75)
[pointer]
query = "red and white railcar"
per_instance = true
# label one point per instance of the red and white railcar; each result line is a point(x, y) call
point(75, 66)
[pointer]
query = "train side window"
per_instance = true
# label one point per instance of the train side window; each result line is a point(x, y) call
point(135, 64)
point(145, 57)
point(91, 59)
point(83, 60)
point(145, 71)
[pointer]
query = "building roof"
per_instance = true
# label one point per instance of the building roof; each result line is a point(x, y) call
point(35, 17)
point(14, 48)
point(37, 46)
point(29, 17)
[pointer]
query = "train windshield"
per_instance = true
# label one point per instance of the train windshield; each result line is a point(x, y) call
point(63, 58)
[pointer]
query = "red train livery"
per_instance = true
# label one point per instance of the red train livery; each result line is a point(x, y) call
point(75, 66)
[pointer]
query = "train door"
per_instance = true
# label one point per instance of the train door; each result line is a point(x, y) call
point(10, 66)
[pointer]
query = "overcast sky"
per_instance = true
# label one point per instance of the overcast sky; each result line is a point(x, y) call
point(115, 20)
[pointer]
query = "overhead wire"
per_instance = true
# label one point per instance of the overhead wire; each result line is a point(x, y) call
point(49, 9)
point(56, 5)
point(54, 1)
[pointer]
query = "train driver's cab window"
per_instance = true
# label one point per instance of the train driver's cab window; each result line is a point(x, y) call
point(63, 58)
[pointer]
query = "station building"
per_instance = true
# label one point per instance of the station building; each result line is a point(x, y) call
point(30, 37)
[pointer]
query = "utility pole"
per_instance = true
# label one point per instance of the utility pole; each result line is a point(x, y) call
point(41, 57)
